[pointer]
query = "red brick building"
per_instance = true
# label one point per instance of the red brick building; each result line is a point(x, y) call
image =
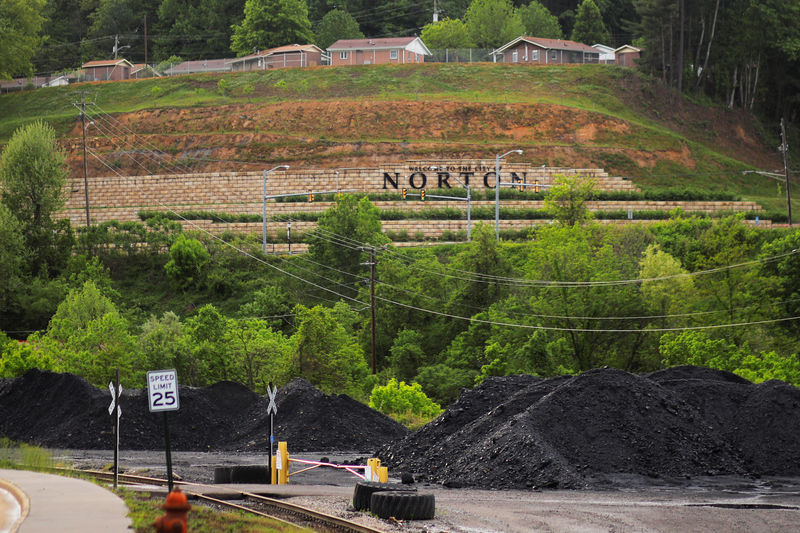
point(627, 55)
point(292, 55)
point(378, 51)
point(108, 69)
point(545, 52)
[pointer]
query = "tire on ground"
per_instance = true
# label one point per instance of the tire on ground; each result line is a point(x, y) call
point(248, 474)
point(364, 490)
point(403, 505)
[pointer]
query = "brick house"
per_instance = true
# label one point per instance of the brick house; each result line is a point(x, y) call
point(107, 69)
point(378, 51)
point(627, 55)
point(538, 50)
point(292, 55)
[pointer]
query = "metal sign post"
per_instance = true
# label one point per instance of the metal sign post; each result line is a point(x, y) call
point(272, 410)
point(115, 408)
point(162, 394)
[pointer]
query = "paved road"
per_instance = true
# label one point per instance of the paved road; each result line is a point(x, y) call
point(58, 503)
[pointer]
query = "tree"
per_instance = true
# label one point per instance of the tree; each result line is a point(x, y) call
point(12, 264)
point(405, 403)
point(664, 296)
point(187, 259)
point(589, 27)
point(407, 354)
point(32, 176)
point(271, 23)
point(258, 355)
point(340, 231)
point(566, 199)
point(325, 354)
point(539, 22)
point(87, 336)
point(492, 23)
point(123, 19)
point(21, 22)
point(336, 24)
point(447, 33)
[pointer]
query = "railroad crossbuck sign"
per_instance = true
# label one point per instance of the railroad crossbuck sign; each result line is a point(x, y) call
point(272, 409)
point(114, 399)
point(162, 390)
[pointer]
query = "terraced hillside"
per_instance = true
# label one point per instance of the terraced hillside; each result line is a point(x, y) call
point(586, 116)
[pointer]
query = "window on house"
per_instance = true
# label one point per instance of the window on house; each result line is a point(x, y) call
point(392, 54)
point(342, 55)
point(515, 57)
point(553, 56)
point(534, 55)
point(416, 58)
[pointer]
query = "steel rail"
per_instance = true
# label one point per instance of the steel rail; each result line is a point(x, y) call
point(306, 514)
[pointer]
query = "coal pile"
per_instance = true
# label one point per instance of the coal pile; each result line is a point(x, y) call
point(572, 432)
point(64, 411)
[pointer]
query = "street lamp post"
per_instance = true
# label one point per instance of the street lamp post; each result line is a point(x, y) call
point(469, 206)
point(264, 213)
point(497, 190)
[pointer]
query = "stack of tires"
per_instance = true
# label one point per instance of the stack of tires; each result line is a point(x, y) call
point(393, 500)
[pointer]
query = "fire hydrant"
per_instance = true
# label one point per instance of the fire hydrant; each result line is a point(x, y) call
point(176, 507)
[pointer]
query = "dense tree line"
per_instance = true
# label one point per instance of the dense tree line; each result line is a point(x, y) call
point(574, 295)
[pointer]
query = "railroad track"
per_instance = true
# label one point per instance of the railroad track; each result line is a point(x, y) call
point(289, 513)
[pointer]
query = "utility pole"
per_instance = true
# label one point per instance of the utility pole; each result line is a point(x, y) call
point(145, 40)
point(372, 299)
point(85, 168)
point(785, 149)
point(435, 11)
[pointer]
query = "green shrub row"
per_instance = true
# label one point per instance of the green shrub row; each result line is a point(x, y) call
point(685, 194)
point(448, 213)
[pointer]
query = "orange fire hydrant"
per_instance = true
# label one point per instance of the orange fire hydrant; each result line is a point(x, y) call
point(176, 507)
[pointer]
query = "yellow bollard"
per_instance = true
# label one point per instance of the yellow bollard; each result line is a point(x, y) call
point(372, 468)
point(383, 474)
point(273, 472)
point(283, 463)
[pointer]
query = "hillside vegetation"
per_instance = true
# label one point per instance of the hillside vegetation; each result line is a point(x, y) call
point(577, 116)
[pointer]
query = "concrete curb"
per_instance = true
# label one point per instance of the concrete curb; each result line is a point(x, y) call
point(23, 500)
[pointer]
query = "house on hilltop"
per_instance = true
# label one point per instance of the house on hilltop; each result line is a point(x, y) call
point(607, 55)
point(378, 51)
point(107, 70)
point(543, 51)
point(627, 55)
point(292, 55)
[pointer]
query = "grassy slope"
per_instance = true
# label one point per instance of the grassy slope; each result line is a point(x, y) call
point(657, 120)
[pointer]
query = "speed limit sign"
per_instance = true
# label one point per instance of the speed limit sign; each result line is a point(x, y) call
point(162, 390)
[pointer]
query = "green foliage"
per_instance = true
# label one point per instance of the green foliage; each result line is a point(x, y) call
point(271, 23)
point(407, 354)
point(356, 220)
point(697, 348)
point(21, 22)
point(589, 27)
point(259, 355)
point(442, 383)
point(223, 86)
point(187, 259)
point(325, 354)
point(17, 358)
point(32, 177)
point(492, 23)
point(336, 24)
point(539, 21)
point(405, 403)
point(447, 33)
point(13, 259)
point(566, 200)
